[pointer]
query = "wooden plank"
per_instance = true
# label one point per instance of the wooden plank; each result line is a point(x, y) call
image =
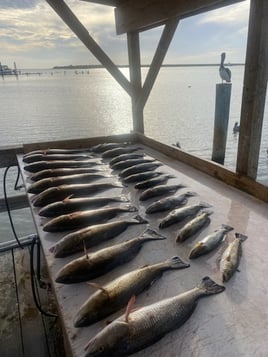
point(135, 79)
point(81, 32)
point(140, 15)
point(254, 91)
point(243, 183)
point(158, 59)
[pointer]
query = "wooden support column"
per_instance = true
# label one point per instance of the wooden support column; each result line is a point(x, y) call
point(133, 42)
point(157, 61)
point(254, 91)
point(81, 32)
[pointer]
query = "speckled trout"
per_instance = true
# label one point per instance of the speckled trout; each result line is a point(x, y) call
point(115, 295)
point(145, 326)
point(231, 257)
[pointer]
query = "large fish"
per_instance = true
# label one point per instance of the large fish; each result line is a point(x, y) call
point(161, 179)
point(119, 151)
point(159, 190)
point(41, 185)
point(168, 203)
point(141, 176)
point(56, 164)
point(194, 226)
point(146, 166)
point(91, 236)
point(65, 172)
point(121, 165)
point(69, 205)
point(143, 327)
point(231, 256)
point(90, 266)
point(59, 193)
point(179, 214)
point(81, 219)
point(47, 157)
point(115, 295)
point(125, 157)
point(210, 242)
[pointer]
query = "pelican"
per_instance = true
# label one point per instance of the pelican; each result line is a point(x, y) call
point(225, 73)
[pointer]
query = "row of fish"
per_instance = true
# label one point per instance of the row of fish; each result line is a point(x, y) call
point(69, 203)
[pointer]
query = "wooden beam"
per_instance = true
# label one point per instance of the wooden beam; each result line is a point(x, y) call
point(8, 155)
point(81, 32)
point(15, 202)
point(135, 79)
point(139, 15)
point(157, 61)
point(254, 91)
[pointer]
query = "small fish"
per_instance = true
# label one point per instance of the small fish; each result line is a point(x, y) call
point(153, 182)
point(168, 203)
point(194, 226)
point(82, 219)
point(179, 214)
point(55, 151)
point(69, 205)
point(41, 185)
point(100, 148)
point(119, 151)
point(121, 165)
point(210, 242)
point(104, 260)
point(91, 236)
point(231, 257)
point(54, 194)
point(115, 295)
point(141, 176)
point(47, 157)
point(147, 166)
point(125, 157)
point(142, 327)
point(55, 164)
point(65, 172)
point(159, 190)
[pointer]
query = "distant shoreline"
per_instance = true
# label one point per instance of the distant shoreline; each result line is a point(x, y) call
point(92, 66)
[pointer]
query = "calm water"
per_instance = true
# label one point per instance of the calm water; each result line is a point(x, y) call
point(64, 105)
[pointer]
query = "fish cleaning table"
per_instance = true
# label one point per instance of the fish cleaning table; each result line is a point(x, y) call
point(233, 323)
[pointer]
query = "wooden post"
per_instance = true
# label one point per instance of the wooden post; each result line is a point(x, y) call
point(254, 91)
point(222, 108)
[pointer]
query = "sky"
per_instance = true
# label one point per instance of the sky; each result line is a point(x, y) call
point(33, 36)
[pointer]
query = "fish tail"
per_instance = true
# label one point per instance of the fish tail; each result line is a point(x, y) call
point(227, 228)
point(205, 205)
point(241, 236)
point(140, 220)
point(210, 287)
point(150, 234)
point(121, 199)
point(176, 263)
point(131, 208)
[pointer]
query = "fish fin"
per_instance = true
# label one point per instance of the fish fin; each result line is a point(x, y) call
point(210, 287)
point(241, 236)
point(131, 208)
point(151, 234)
point(129, 307)
point(238, 270)
point(176, 263)
point(190, 194)
point(122, 199)
point(97, 286)
point(52, 249)
point(85, 249)
point(227, 228)
point(205, 204)
point(67, 198)
point(140, 219)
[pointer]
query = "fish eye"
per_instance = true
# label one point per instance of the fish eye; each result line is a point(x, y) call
point(101, 348)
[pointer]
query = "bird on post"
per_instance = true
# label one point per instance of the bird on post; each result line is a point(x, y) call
point(225, 73)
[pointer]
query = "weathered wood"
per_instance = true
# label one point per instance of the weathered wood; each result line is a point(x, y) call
point(254, 91)
point(139, 15)
point(135, 79)
point(158, 59)
point(243, 183)
point(81, 32)
point(221, 120)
